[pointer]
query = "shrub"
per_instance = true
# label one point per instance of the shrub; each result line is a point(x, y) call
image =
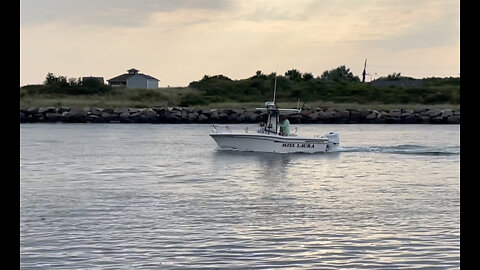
point(192, 100)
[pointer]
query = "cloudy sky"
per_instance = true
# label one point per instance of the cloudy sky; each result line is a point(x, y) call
point(180, 41)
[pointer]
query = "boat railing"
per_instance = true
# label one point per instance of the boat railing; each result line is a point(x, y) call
point(215, 128)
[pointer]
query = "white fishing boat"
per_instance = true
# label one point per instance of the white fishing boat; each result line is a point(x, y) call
point(271, 136)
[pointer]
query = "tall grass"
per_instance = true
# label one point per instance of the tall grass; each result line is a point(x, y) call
point(116, 97)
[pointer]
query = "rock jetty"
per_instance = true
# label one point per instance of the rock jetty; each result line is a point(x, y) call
point(224, 116)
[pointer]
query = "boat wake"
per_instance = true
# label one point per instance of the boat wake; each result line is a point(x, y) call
point(408, 149)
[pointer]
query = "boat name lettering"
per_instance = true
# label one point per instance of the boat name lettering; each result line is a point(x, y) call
point(299, 145)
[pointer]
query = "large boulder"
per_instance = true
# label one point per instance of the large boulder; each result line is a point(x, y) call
point(407, 114)
point(174, 119)
point(411, 118)
point(373, 115)
point(202, 118)
point(175, 113)
point(124, 117)
point(241, 118)
point(63, 109)
point(38, 117)
point(184, 114)
point(342, 116)
point(47, 110)
point(222, 116)
point(75, 115)
point(395, 113)
point(325, 115)
point(31, 111)
point(192, 117)
point(355, 116)
point(344, 113)
point(23, 117)
point(434, 113)
point(107, 116)
point(120, 110)
point(96, 111)
point(294, 118)
point(151, 116)
point(446, 113)
point(453, 119)
point(263, 117)
point(137, 117)
point(232, 117)
point(392, 116)
point(438, 120)
point(92, 118)
point(214, 116)
point(305, 112)
point(312, 117)
point(163, 114)
point(52, 116)
point(250, 117)
point(424, 119)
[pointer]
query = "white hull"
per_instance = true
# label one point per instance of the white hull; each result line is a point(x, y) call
point(258, 142)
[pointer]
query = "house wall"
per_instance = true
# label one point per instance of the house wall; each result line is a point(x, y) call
point(152, 84)
point(139, 81)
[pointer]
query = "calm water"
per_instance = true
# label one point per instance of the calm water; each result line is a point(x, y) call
point(142, 196)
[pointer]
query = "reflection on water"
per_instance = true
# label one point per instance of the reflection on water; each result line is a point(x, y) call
point(270, 165)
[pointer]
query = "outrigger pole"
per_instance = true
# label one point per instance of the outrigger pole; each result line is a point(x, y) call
point(275, 112)
point(275, 88)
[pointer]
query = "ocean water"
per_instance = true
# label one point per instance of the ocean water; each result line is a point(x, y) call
point(155, 196)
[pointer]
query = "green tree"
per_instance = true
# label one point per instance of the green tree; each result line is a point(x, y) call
point(50, 79)
point(53, 81)
point(74, 82)
point(307, 76)
point(259, 75)
point(293, 74)
point(340, 74)
point(92, 83)
point(394, 76)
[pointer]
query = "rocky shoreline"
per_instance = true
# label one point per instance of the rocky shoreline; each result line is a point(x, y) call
point(227, 116)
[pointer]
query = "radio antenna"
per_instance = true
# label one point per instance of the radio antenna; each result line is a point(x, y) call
point(275, 88)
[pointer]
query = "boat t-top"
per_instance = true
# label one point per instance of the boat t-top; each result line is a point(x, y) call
point(273, 136)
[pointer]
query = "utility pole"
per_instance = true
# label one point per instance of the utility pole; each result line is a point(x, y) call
point(364, 70)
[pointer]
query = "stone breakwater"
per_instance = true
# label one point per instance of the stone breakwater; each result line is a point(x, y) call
point(190, 115)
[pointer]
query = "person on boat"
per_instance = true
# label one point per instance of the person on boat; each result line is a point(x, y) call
point(284, 125)
point(261, 127)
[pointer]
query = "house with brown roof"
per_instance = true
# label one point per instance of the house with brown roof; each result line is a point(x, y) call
point(133, 79)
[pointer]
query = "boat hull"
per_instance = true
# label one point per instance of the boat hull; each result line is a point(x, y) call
point(271, 143)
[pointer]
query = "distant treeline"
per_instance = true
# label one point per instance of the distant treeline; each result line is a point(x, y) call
point(338, 85)
point(69, 86)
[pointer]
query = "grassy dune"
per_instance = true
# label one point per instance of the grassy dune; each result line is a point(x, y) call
point(117, 97)
point(143, 98)
point(333, 105)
